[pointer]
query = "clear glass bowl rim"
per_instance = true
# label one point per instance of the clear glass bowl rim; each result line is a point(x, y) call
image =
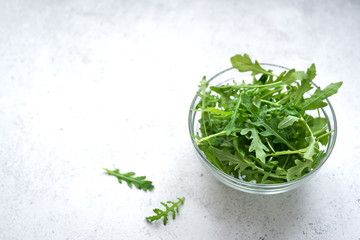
point(253, 187)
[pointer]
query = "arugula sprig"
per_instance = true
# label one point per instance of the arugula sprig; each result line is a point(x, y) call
point(262, 131)
point(173, 208)
point(139, 182)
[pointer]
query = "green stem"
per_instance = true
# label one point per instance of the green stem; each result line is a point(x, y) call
point(319, 132)
point(121, 176)
point(263, 171)
point(271, 148)
point(284, 99)
point(279, 153)
point(272, 103)
point(271, 92)
point(211, 136)
point(325, 134)
point(286, 161)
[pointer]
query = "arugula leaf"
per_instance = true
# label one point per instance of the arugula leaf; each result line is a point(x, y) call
point(174, 208)
point(316, 100)
point(287, 121)
point(235, 160)
point(318, 125)
point(244, 64)
point(139, 182)
point(305, 84)
point(211, 156)
point(203, 86)
point(297, 170)
point(256, 144)
point(231, 126)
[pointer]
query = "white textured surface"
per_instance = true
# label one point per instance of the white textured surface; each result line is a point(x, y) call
point(91, 84)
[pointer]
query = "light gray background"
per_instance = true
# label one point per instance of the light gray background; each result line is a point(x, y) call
point(91, 84)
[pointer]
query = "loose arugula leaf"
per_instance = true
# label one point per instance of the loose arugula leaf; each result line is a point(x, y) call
point(139, 182)
point(174, 208)
point(261, 131)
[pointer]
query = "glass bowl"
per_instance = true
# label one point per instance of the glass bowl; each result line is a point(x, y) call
point(229, 75)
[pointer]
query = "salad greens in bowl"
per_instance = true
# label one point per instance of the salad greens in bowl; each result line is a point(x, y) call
point(263, 128)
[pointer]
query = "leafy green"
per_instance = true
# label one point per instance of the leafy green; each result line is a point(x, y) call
point(298, 169)
point(287, 121)
point(316, 100)
point(139, 182)
point(230, 127)
point(244, 64)
point(235, 160)
point(262, 131)
point(256, 144)
point(174, 208)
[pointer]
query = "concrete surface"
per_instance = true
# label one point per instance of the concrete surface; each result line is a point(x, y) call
point(87, 85)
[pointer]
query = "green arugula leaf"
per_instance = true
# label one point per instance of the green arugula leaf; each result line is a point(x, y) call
point(256, 143)
point(316, 100)
point(287, 121)
point(297, 170)
point(235, 160)
point(211, 156)
point(305, 84)
point(290, 77)
point(317, 125)
point(231, 126)
point(310, 149)
point(173, 208)
point(139, 182)
point(311, 72)
point(244, 64)
point(203, 87)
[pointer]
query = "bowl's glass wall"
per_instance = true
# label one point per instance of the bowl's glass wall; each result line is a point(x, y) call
point(229, 75)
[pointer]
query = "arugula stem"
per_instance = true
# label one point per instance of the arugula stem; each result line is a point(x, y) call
point(284, 99)
point(270, 175)
point(260, 162)
point(286, 161)
point(279, 153)
point(272, 103)
point(231, 125)
point(319, 132)
point(211, 136)
point(325, 134)
point(122, 176)
point(271, 92)
point(271, 148)
point(307, 127)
